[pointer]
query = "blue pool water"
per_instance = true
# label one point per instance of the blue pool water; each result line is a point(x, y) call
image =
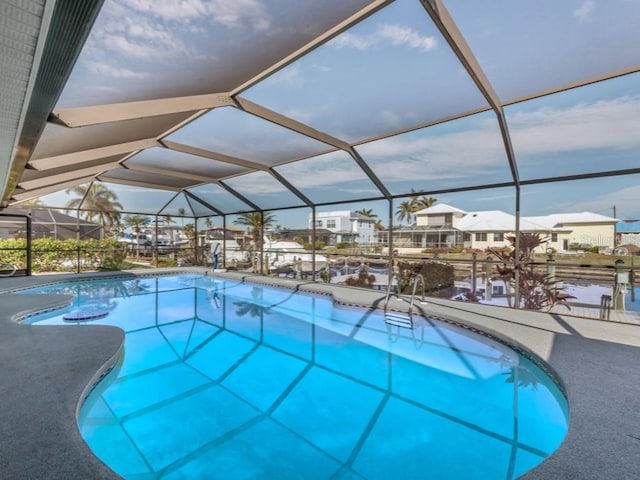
point(227, 380)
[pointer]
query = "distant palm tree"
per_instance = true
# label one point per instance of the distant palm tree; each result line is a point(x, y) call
point(182, 212)
point(420, 202)
point(405, 211)
point(256, 223)
point(366, 213)
point(136, 222)
point(100, 204)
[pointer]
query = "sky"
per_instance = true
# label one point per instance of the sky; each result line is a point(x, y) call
point(391, 73)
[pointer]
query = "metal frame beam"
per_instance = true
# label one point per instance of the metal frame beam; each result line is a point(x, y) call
point(92, 154)
point(115, 112)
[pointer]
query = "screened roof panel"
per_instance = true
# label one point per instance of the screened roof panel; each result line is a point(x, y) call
point(199, 209)
point(611, 196)
point(263, 190)
point(180, 163)
point(151, 179)
point(135, 199)
point(527, 47)
point(141, 50)
point(589, 129)
point(178, 206)
point(460, 153)
point(327, 178)
point(233, 132)
point(60, 140)
point(391, 71)
point(219, 198)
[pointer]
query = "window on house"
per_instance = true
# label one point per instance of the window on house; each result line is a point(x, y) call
point(498, 237)
point(331, 224)
point(481, 237)
point(318, 223)
point(554, 237)
point(467, 237)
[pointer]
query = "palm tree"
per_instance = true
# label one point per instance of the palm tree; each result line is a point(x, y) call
point(136, 222)
point(420, 202)
point(100, 204)
point(256, 223)
point(405, 211)
point(366, 213)
point(182, 212)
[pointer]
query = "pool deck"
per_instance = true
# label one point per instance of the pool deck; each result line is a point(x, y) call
point(48, 370)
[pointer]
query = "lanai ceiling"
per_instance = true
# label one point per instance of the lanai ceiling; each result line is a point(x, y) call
point(226, 106)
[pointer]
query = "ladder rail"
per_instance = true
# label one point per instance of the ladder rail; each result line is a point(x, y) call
point(389, 318)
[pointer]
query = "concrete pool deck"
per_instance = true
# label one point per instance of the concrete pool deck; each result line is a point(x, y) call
point(47, 371)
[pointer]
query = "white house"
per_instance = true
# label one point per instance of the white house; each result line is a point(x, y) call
point(442, 225)
point(348, 226)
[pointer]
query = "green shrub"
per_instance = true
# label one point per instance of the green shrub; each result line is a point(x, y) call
point(49, 255)
point(436, 275)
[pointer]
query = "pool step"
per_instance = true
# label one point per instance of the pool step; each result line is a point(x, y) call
point(398, 319)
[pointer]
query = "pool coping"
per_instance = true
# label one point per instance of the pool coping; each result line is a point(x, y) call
point(595, 361)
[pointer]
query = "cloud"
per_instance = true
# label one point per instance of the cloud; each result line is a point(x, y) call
point(230, 13)
point(351, 40)
point(289, 77)
point(414, 156)
point(403, 35)
point(114, 72)
point(606, 124)
point(584, 13)
point(399, 35)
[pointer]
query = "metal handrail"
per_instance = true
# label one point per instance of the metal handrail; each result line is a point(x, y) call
point(417, 278)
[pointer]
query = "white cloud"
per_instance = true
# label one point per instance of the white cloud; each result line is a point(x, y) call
point(289, 77)
point(394, 33)
point(231, 13)
point(403, 35)
point(606, 124)
point(114, 72)
point(350, 40)
point(584, 13)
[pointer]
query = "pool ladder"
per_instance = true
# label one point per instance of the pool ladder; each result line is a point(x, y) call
point(401, 319)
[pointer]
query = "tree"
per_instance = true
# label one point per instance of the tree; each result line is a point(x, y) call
point(408, 208)
point(100, 204)
point(366, 213)
point(136, 222)
point(405, 212)
point(182, 212)
point(256, 222)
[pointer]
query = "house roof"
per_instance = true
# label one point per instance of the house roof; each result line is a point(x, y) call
point(439, 208)
point(496, 221)
point(558, 220)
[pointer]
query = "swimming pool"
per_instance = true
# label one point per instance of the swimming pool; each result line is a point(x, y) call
point(221, 379)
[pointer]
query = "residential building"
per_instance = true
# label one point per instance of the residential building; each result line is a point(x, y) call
point(347, 226)
point(442, 225)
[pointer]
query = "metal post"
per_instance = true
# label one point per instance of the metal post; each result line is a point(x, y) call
point(474, 257)
point(313, 242)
